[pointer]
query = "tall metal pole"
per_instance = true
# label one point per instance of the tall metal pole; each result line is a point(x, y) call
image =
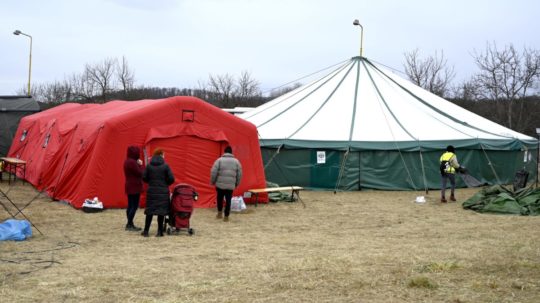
point(30, 67)
point(361, 40)
point(537, 158)
point(356, 22)
point(18, 32)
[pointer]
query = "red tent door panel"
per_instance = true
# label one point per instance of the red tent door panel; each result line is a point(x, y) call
point(191, 159)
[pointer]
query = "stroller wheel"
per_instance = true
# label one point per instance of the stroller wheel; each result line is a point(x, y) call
point(191, 231)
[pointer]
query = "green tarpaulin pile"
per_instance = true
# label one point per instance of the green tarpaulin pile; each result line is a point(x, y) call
point(498, 199)
point(277, 196)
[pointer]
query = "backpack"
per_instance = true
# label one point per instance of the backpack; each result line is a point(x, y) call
point(443, 167)
point(520, 179)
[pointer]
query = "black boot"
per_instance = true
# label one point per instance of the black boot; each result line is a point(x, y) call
point(144, 233)
point(161, 226)
point(132, 227)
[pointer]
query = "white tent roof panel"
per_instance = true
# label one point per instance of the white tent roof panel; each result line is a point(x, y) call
point(360, 102)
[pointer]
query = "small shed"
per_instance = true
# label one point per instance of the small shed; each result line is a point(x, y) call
point(12, 109)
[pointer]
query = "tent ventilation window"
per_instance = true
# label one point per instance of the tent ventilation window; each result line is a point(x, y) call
point(24, 134)
point(188, 115)
point(46, 140)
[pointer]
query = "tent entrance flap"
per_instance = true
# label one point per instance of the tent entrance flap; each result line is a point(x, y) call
point(325, 168)
point(190, 158)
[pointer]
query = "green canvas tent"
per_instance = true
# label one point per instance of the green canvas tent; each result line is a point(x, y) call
point(361, 126)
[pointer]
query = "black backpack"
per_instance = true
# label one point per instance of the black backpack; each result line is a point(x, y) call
point(520, 179)
point(443, 167)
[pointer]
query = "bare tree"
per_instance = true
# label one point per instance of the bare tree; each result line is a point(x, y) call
point(54, 93)
point(101, 75)
point(222, 87)
point(431, 73)
point(468, 90)
point(74, 88)
point(125, 76)
point(509, 76)
point(246, 86)
point(83, 89)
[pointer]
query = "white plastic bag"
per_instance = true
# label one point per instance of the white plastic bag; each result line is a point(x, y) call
point(237, 203)
point(92, 206)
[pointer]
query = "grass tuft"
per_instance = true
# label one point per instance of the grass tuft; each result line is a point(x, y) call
point(422, 282)
point(438, 267)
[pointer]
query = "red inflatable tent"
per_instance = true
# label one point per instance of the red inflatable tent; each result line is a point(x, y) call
point(76, 151)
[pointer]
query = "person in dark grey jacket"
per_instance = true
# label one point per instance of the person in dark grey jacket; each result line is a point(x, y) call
point(159, 176)
point(225, 175)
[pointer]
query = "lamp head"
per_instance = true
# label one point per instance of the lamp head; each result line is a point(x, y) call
point(17, 32)
point(538, 131)
point(356, 22)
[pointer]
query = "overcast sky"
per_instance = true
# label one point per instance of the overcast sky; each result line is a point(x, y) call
point(178, 43)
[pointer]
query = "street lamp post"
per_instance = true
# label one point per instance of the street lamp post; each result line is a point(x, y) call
point(537, 155)
point(18, 32)
point(356, 22)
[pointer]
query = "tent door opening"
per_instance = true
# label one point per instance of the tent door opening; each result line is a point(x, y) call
point(191, 159)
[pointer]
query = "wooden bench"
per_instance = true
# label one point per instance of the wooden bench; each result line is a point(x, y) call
point(295, 190)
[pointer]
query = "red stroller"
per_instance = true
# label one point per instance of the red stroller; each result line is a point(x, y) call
point(181, 208)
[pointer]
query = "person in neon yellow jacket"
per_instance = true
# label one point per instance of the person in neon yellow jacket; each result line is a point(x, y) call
point(449, 166)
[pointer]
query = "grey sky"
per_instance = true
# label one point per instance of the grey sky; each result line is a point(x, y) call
point(180, 42)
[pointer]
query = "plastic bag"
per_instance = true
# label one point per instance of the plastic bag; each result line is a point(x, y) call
point(17, 230)
point(92, 206)
point(237, 203)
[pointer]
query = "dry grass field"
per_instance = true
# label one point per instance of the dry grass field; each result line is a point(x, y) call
point(369, 246)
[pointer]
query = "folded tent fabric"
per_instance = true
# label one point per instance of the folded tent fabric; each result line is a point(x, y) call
point(498, 199)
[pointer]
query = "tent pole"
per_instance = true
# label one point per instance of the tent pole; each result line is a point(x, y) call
point(490, 164)
point(273, 156)
point(359, 172)
point(423, 171)
point(341, 169)
point(18, 209)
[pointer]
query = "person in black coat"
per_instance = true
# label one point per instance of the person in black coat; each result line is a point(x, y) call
point(159, 176)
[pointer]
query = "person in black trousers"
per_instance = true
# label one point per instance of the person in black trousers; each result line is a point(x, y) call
point(159, 176)
point(225, 175)
point(133, 171)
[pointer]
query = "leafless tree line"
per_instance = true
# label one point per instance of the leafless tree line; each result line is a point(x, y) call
point(228, 91)
point(503, 89)
point(95, 84)
point(113, 79)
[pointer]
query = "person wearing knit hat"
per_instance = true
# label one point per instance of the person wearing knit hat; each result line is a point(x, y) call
point(159, 176)
point(448, 166)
